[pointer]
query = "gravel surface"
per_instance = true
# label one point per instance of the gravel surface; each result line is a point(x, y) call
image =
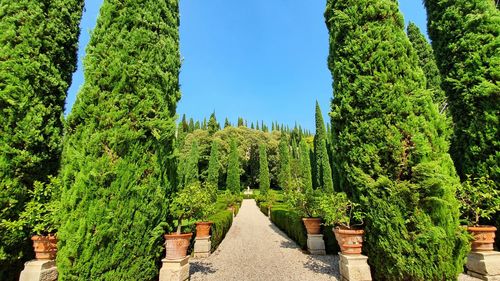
point(255, 249)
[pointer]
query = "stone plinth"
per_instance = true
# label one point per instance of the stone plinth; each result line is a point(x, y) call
point(202, 247)
point(354, 268)
point(484, 265)
point(39, 270)
point(316, 244)
point(175, 270)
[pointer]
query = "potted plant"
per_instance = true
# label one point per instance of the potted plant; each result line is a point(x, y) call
point(479, 200)
point(39, 215)
point(204, 209)
point(232, 201)
point(305, 203)
point(186, 203)
point(270, 201)
point(340, 213)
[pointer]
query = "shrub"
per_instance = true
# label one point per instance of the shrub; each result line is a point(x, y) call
point(291, 223)
point(222, 222)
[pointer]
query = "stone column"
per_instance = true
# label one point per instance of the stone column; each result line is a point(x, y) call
point(354, 268)
point(316, 244)
point(484, 265)
point(175, 270)
point(202, 247)
point(39, 270)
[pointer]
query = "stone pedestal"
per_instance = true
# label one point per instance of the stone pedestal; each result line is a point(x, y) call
point(39, 270)
point(202, 247)
point(175, 270)
point(354, 268)
point(316, 244)
point(484, 265)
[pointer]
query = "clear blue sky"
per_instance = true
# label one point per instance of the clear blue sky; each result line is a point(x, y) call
point(259, 59)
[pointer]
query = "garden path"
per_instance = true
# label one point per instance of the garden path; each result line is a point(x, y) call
point(255, 249)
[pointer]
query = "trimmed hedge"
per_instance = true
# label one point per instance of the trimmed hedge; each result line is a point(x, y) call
point(222, 223)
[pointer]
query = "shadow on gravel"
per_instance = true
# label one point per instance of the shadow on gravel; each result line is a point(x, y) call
point(289, 244)
point(328, 265)
point(200, 267)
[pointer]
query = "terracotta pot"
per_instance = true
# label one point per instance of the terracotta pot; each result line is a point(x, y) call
point(350, 240)
point(177, 245)
point(484, 237)
point(45, 247)
point(313, 225)
point(203, 229)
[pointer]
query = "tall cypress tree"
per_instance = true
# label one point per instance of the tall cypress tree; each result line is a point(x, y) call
point(388, 141)
point(213, 165)
point(191, 171)
point(264, 183)
point(322, 169)
point(213, 125)
point(466, 39)
point(285, 170)
point(38, 56)
point(233, 169)
point(428, 64)
point(117, 171)
point(305, 166)
point(227, 123)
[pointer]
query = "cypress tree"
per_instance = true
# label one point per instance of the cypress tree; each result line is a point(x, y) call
point(191, 125)
point(117, 171)
point(213, 165)
point(191, 171)
point(233, 169)
point(323, 171)
point(428, 64)
point(197, 125)
point(285, 170)
point(305, 166)
point(264, 183)
point(389, 145)
point(38, 57)
point(240, 122)
point(213, 125)
point(227, 123)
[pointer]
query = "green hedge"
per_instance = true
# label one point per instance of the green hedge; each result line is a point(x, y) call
point(222, 223)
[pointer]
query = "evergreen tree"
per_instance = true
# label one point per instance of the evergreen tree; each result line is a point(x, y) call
point(213, 125)
point(197, 125)
point(285, 172)
point(191, 171)
point(388, 142)
point(38, 56)
point(305, 166)
point(252, 126)
point(240, 122)
point(191, 125)
point(213, 165)
point(117, 165)
point(323, 171)
point(428, 64)
point(257, 126)
point(233, 169)
point(227, 123)
point(468, 57)
point(264, 183)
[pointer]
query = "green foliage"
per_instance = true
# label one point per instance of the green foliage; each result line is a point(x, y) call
point(285, 173)
point(304, 202)
point(466, 39)
point(264, 184)
point(479, 199)
point(291, 223)
point(428, 64)
point(213, 168)
point(191, 202)
point(305, 166)
point(233, 170)
point(38, 57)
point(322, 170)
point(222, 222)
point(390, 145)
point(337, 210)
point(118, 171)
point(191, 172)
point(213, 126)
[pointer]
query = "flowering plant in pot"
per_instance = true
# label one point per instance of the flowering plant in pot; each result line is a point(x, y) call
point(185, 205)
point(342, 214)
point(39, 216)
point(305, 202)
point(479, 200)
point(203, 210)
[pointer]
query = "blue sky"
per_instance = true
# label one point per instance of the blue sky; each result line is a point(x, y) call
point(259, 59)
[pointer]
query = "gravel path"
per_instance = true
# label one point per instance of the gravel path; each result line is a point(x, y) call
point(255, 249)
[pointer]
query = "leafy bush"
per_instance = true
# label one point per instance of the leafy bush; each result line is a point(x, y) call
point(222, 222)
point(479, 199)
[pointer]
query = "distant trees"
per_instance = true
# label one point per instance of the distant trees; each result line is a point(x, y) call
point(38, 57)
point(233, 169)
point(264, 183)
point(389, 145)
point(117, 170)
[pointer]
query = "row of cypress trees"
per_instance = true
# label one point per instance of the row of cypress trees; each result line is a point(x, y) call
point(390, 126)
point(38, 55)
